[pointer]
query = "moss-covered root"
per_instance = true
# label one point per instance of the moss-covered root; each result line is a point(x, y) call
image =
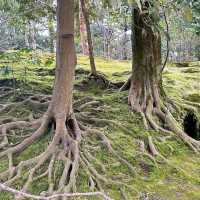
point(106, 142)
point(64, 147)
point(36, 102)
point(151, 108)
point(5, 91)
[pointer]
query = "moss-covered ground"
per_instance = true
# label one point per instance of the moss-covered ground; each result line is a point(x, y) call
point(179, 179)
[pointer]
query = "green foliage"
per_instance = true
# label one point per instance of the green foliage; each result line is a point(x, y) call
point(191, 13)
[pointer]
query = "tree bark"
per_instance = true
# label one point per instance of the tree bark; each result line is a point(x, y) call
point(65, 59)
point(146, 66)
point(85, 18)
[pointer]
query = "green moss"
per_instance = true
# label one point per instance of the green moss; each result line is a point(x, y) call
point(194, 97)
point(164, 182)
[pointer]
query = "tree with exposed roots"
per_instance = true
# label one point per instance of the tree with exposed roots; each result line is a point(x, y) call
point(59, 114)
point(59, 121)
point(85, 27)
point(146, 94)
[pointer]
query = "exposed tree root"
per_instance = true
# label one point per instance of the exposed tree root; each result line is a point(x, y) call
point(154, 155)
point(151, 152)
point(64, 148)
point(99, 178)
point(37, 102)
point(108, 145)
point(103, 82)
point(100, 78)
point(5, 91)
point(157, 116)
point(126, 85)
point(55, 196)
point(195, 104)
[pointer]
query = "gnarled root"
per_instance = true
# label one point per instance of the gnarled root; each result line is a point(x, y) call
point(36, 102)
point(64, 147)
point(156, 115)
point(100, 78)
point(106, 142)
point(5, 91)
point(126, 85)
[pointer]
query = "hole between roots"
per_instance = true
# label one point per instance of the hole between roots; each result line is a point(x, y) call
point(191, 125)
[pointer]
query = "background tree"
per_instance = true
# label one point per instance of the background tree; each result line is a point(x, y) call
point(83, 31)
point(84, 23)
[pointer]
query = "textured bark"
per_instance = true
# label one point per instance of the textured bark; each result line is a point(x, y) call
point(65, 60)
point(85, 25)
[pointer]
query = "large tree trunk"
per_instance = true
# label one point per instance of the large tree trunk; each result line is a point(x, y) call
point(146, 94)
point(146, 70)
point(84, 22)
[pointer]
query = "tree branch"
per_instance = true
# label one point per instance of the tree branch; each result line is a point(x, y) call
point(168, 39)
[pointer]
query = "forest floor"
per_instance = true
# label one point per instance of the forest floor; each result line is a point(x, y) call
point(31, 73)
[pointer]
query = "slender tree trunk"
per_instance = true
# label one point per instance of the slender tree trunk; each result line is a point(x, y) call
point(51, 31)
point(59, 117)
point(32, 33)
point(77, 19)
point(89, 37)
point(124, 44)
point(26, 36)
point(83, 32)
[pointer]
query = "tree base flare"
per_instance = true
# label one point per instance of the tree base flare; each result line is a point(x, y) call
point(157, 116)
